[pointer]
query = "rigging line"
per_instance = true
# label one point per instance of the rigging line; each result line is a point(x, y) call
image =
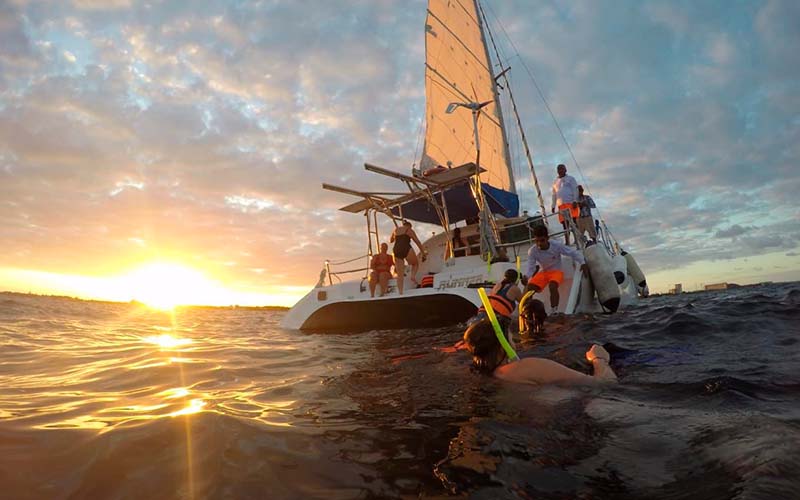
point(416, 146)
point(456, 89)
point(467, 149)
point(463, 45)
point(544, 100)
point(461, 117)
point(467, 12)
point(523, 138)
point(444, 84)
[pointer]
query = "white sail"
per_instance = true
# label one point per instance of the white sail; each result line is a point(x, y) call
point(458, 69)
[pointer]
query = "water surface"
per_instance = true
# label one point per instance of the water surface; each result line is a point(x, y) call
point(103, 400)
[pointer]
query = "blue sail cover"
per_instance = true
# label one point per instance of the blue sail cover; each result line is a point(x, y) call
point(461, 205)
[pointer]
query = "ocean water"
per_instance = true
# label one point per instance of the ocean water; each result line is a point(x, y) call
point(101, 400)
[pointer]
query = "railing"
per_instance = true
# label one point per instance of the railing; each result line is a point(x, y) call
point(529, 224)
point(516, 239)
point(326, 271)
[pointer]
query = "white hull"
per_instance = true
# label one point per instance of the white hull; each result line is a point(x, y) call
point(452, 299)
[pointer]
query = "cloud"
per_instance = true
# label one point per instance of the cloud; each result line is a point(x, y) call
point(207, 128)
point(732, 232)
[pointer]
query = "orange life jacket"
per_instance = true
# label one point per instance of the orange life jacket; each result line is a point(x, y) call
point(501, 304)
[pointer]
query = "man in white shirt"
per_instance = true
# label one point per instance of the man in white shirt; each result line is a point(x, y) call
point(565, 197)
point(544, 265)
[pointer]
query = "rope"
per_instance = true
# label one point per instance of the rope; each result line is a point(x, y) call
point(546, 105)
point(346, 261)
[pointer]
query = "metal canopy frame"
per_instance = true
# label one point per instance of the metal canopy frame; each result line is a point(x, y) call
point(430, 188)
point(419, 188)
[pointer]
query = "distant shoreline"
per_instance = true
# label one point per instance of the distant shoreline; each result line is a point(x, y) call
point(729, 286)
point(138, 303)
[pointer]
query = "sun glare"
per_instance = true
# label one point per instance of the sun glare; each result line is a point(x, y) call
point(164, 285)
point(166, 341)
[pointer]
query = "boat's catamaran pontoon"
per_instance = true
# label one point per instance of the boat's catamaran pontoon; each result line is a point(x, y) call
point(465, 176)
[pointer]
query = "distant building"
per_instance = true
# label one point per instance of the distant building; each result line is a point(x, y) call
point(717, 286)
point(677, 289)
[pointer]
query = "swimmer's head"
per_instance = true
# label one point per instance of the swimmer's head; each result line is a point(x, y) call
point(482, 343)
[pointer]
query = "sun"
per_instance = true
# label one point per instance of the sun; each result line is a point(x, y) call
point(164, 285)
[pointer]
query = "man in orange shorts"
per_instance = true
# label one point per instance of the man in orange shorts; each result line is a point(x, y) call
point(565, 196)
point(544, 265)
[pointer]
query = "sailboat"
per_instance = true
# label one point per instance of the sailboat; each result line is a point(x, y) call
point(464, 180)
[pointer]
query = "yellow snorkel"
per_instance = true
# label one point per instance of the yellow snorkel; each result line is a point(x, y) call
point(497, 330)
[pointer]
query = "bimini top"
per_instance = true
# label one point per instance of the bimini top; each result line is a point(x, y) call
point(448, 191)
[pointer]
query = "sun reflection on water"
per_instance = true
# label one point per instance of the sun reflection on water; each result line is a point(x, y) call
point(195, 406)
point(178, 392)
point(167, 341)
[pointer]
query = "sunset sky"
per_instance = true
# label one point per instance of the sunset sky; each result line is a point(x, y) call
point(188, 141)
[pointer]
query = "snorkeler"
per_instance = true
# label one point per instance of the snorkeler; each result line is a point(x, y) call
point(489, 357)
point(503, 299)
point(531, 315)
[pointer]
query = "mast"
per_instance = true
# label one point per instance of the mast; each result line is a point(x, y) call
point(495, 93)
point(516, 112)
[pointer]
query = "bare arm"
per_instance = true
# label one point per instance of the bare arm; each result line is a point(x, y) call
point(545, 371)
point(541, 371)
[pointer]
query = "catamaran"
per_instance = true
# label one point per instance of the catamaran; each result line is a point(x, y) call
point(464, 180)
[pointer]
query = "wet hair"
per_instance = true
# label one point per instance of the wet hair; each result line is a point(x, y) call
point(510, 276)
point(540, 231)
point(482, 343)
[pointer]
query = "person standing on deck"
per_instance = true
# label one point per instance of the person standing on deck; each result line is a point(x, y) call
point(402, 237)
point(565, 197)
point(544, 264)
point(586, 222)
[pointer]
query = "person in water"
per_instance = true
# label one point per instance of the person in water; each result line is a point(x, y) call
point(402, 237)
point(489, 358)
point(381, 266)
point(503, 298)
point(531, 315)
point(544, 264)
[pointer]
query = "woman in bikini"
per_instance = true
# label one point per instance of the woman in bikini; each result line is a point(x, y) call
point(401, 237)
